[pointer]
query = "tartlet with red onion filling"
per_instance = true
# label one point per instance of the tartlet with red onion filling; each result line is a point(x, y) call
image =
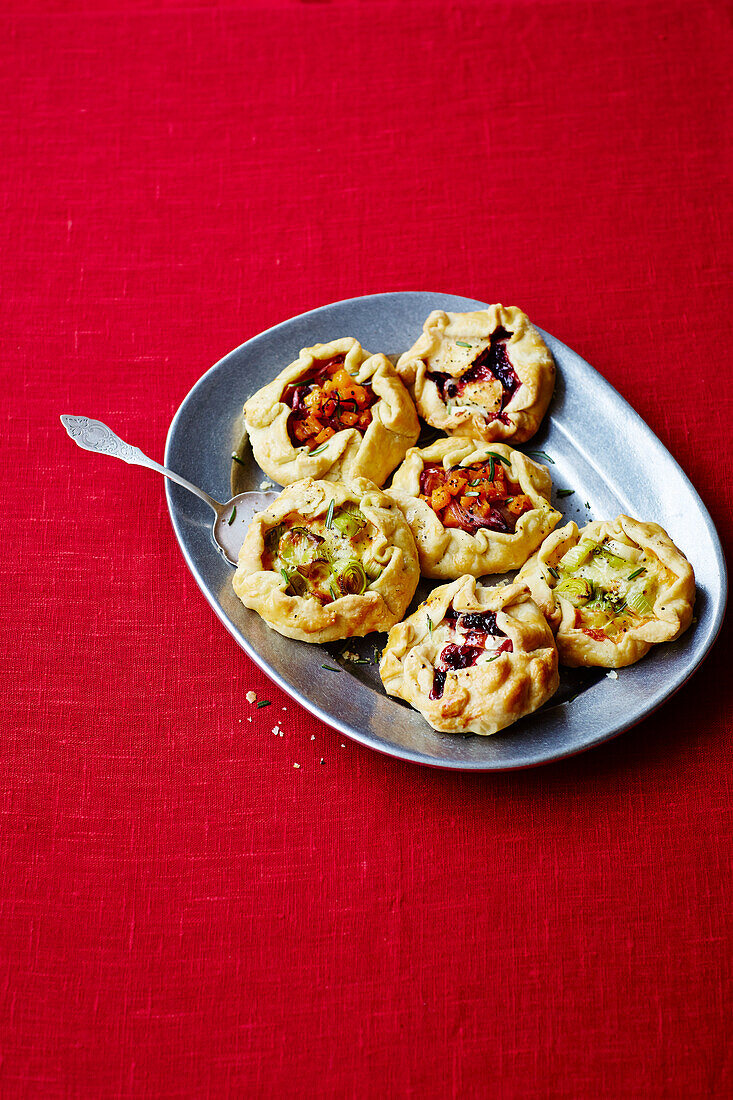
point(473, 508)
point(336, 413)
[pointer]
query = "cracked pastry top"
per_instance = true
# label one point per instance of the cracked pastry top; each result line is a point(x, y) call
point(473, 508)
point(472, 659)
point(487, 374)
point(328, 561)
point(611, 590)
point(336, 413)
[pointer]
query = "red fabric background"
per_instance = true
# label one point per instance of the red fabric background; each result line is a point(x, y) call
point(183, 913)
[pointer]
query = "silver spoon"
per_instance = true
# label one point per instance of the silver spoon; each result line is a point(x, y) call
point(232, 518)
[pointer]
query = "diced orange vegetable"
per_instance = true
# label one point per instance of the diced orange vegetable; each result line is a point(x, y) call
point(519, 504)
point(456, 482)
point(348, 419)
point(323, 436)
point(439, 498)
point(365, 419)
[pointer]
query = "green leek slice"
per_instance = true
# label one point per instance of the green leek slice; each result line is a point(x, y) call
point(351, 578)
point(577, 590)
point(613, 559)
point(575, 557)
point(349, 522)
point(638, 601)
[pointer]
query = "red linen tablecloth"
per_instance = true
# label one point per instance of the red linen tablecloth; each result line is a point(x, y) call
point(183, 913)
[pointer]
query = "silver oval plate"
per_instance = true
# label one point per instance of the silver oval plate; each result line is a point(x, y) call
point(588, 427)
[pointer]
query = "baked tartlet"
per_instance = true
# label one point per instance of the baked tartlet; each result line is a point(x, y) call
point(611, 590)
point(473, 508)
point(487, 374)
point(336, 413)
point(472, 659)
point(328, 561)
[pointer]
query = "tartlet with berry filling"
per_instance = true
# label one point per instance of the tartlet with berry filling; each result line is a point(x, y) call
point(473, 508)
point(487, 374)
point(337, 413)
point(611, 590)
point(472, 659)
point(327, 561)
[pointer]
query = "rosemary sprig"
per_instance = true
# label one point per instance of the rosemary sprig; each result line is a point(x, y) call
point(329, 516)
point(566, 492)
point(541, 454)
point(636, 573)
point(236, 458)
point(232, 517)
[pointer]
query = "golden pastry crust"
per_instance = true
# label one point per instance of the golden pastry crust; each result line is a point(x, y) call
point(383, 544)
point(481, 408)
point(449, 552)
point(502, 685)
point(631, 590)
point(348, 454)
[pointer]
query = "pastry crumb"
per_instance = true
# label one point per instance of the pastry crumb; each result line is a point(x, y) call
point(264, 485)
point(251, 696)
point(296, 765)
point(612, 675)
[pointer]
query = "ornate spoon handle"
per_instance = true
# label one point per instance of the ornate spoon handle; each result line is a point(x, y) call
point(93, 435)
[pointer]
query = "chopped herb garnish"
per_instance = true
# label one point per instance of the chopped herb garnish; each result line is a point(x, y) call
point(329, 516)
point(473, 484)
point(331, 668)
point(541, 454)
point(463, 344)
point(264, 703)
point(566, 492)
point(636, 573)
point(472, 494)
point(285, 576)
point(430, 623)
point(554, 572)
point(492, 467)
point(498, 457)
point(232, 517)
point(334, 593)
point(236, 458)
point(587, 504)
point(319, 449)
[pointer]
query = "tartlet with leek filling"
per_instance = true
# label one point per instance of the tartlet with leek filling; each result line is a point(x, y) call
point(487, 374)
point(328, 561)
point(473, 508)
point(611, 590)
point(336, 413)
point(472, 659)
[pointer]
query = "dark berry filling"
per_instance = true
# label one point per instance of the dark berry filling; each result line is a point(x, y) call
point(492, 362)
point(480, 625)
